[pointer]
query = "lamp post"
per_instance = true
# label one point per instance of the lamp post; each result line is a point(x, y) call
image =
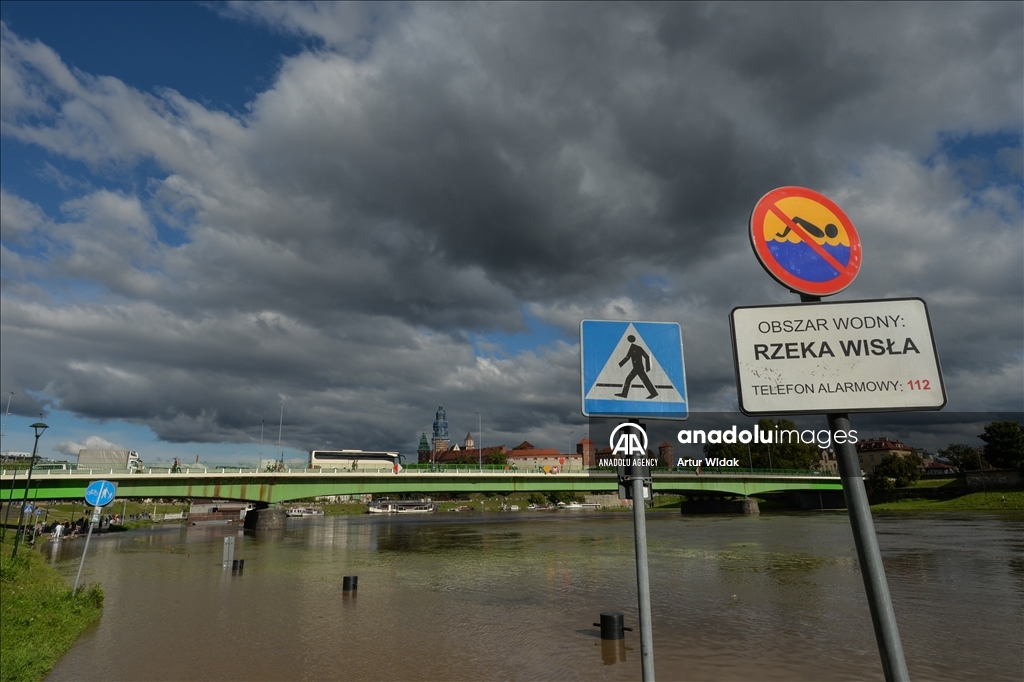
point(570, 446)
point(39, 427)
point(7, 414)
point(259, 463)
point(480, 445)
point(10, 498)
point(280, 427)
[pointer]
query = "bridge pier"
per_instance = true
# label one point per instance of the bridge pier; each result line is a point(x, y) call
point(266, 519)
point(718, 504)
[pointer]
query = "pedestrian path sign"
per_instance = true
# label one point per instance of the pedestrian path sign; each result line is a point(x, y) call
point(100, 493)
point(632, 369)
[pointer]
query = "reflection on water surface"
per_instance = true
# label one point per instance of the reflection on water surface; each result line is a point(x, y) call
point(775, 597)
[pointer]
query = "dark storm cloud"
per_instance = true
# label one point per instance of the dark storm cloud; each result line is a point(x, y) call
point(433, 171)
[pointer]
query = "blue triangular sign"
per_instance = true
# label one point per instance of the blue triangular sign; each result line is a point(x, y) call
point(632, 369)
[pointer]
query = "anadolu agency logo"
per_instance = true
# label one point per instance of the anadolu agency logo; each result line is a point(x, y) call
point(629, 440)
point(628, 443)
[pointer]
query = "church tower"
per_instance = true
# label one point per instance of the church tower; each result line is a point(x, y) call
point(469, 444)
point(423, 451)
point(440, 443)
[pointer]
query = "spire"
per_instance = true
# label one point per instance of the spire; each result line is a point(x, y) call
point(440, 440)
point(423, 450)
point(440, 424)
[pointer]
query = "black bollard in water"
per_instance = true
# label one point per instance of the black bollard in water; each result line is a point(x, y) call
point(237, 564)
point(612, 625)
point(346, 583)
point(355, 583)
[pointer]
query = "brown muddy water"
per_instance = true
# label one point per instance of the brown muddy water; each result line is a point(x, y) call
point(514, 597)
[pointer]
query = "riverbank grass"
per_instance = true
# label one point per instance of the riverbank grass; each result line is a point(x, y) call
point(1008, 500)
point(39, 619)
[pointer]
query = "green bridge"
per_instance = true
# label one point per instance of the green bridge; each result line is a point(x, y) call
point(270, 488)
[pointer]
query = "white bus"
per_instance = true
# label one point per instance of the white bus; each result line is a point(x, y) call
point(352, 460)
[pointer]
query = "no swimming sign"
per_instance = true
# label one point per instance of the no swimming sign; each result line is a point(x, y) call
point(805, 241)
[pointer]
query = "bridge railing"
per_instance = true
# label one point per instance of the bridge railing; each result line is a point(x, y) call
point(737, 471)
point(493, 469)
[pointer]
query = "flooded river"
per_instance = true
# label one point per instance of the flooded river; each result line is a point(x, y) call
point(514, 597)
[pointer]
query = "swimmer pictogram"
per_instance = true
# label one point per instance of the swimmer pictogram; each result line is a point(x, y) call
point(805, 241)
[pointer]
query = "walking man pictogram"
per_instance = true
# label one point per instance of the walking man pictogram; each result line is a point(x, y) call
point(641, 366)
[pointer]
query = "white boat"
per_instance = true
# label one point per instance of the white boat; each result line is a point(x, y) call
point(571, 505)
point(401, 507)
point(296, 512)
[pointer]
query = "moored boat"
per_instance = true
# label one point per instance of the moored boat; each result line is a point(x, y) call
point(297, 512)
point(401, 507)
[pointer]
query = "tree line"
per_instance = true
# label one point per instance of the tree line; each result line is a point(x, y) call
point(1003, 449)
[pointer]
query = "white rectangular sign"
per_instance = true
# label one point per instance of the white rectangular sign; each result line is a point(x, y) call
point(860, 356)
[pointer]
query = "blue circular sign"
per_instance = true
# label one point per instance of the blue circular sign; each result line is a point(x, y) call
point(100, 493)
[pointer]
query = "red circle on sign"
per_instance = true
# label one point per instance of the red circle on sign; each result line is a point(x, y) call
point(805, 241)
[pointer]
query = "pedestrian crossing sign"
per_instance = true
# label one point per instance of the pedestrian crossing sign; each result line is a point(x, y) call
point(632, 369)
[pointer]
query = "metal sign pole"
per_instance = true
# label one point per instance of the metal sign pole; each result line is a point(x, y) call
point(637, 475)
point(643, 581)
point(883, 616)
point(88, 536)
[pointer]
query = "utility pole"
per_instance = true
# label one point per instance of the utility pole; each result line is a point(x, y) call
point(480, 445)
point(7, 414)
point(280, 426)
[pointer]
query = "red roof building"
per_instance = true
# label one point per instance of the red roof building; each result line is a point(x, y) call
point(871, 452)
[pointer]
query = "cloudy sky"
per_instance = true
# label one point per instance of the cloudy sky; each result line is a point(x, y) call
point(365, 211)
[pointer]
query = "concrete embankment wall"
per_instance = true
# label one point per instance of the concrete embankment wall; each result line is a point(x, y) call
point(606, 500)
point(718, 505)
point(997, 478)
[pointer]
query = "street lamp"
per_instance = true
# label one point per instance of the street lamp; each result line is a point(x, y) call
point(7, 414)
point(480, 445)
point(10, 498)
point(280, 426)
point(39, 427)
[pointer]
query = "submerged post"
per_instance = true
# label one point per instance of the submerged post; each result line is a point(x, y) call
point(883, 616)
point(229, 552)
